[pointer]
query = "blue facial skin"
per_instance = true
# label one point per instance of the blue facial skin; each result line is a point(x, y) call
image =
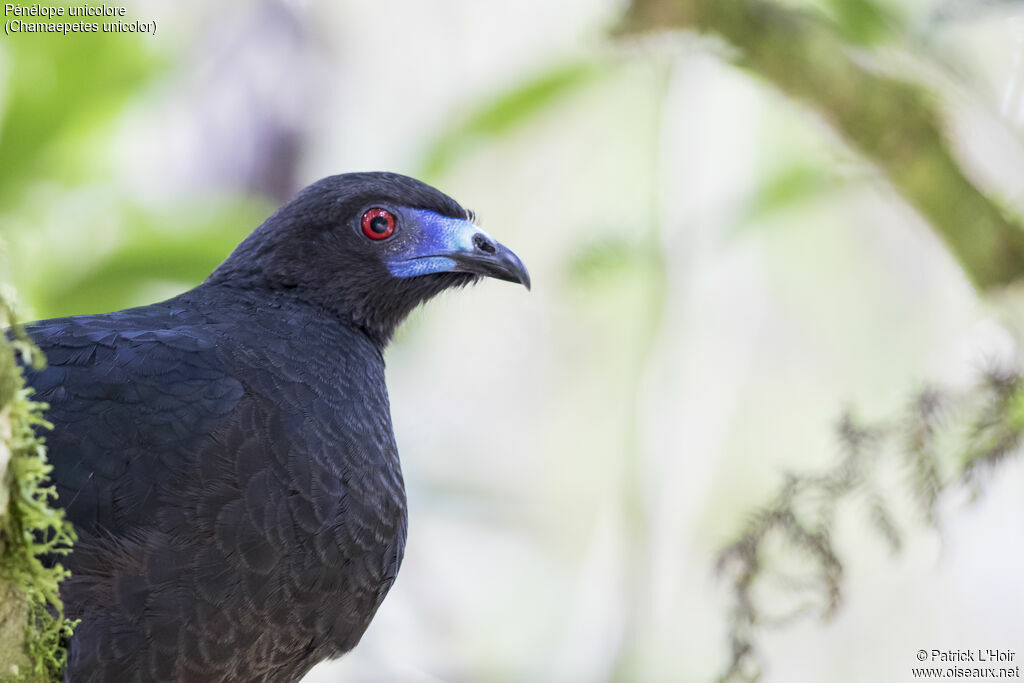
point(424, 251)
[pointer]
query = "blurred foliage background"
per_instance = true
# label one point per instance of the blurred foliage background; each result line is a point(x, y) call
point(745, 221)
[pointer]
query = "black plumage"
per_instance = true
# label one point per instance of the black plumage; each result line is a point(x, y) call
point(227, 456)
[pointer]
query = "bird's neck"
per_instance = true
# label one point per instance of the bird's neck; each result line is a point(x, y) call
point(254, 292)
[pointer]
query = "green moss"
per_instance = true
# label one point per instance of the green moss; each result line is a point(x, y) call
point(33, 630)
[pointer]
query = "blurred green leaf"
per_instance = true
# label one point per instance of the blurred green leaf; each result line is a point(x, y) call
point(862, 22)
point(606, 260)
point(60, 89)
point(155, 255)
point(788, 187)
point(509, 110)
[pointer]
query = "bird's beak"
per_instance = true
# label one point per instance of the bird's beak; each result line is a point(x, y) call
point(491, 259)
point(454, 245)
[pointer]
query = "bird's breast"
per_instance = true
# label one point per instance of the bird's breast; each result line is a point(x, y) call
point(305, 493)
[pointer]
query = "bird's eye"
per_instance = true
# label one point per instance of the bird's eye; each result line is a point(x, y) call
point(378, 224)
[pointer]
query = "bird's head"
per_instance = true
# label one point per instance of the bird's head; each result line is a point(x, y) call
point(370, 247)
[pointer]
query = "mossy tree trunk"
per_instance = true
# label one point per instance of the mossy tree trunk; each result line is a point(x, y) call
point(33, 630)
point(13, 608)
point(892, 122)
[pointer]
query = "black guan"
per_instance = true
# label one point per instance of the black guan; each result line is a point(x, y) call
point(227, 456)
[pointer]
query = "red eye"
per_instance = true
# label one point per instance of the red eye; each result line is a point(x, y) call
point(378, 224)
